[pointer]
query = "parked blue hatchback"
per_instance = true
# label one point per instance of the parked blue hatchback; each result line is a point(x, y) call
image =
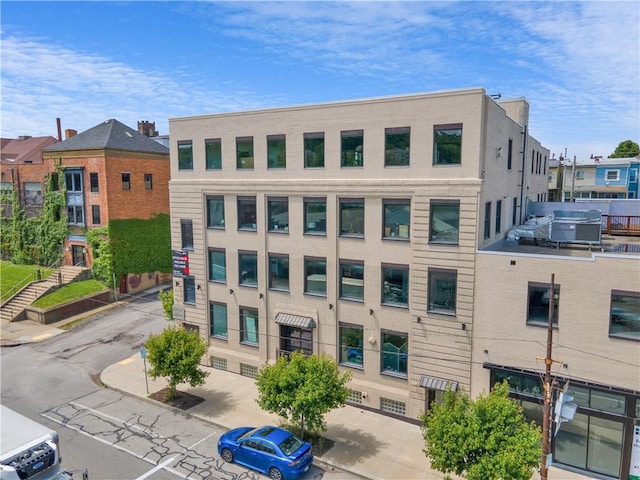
point(270, 450)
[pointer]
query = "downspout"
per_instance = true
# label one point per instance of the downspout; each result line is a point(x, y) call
point(524, 162)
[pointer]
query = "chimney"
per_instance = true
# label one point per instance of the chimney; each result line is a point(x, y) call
point(70, 132)
point(148, 129)
point(59, 129)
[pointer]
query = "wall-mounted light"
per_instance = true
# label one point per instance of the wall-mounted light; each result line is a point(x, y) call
point(419, 319)
point(331, 306)
point(84, 250)
point(261, 296)
point(199, 287)
point(371, 311)
point(486, 352)
point(177, 283)
point(464, 326)
point(371, 340)
point(231, 291)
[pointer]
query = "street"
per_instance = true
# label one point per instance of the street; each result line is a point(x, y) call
point(113, 435)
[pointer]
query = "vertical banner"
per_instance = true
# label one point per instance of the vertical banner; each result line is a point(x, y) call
point(634, 463)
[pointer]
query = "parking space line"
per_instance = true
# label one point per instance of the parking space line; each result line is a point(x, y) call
point(160, 466)
point(126, 361)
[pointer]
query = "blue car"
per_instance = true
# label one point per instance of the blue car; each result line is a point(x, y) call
point(270, 450)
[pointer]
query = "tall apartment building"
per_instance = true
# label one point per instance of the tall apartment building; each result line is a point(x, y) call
point(349, 228)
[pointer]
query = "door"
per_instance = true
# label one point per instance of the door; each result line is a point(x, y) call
point(78, 256)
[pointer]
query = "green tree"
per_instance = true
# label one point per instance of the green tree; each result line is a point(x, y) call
point(302, 389)
point(485, 439)
point(166, 298)
point(175, 354)
point(626, 149)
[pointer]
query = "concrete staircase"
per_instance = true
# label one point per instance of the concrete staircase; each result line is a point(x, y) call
point(13, 309)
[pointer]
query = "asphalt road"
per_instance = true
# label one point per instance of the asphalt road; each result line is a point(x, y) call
point(115, 436)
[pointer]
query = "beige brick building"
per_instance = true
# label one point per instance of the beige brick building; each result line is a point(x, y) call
point(349, 228)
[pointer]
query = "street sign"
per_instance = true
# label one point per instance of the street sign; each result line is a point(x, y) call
point(143, 352)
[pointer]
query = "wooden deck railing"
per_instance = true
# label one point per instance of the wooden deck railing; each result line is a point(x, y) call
point(621, 225)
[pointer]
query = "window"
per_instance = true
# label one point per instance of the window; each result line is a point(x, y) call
point(244, 152)
point(498, 215)
point(190, 290)
point(444, 221)
point(7, 187)
point(315, 215)
point(352, 145)
point(126, 181)
point(218, 320)
point(395, 285)
point(397, 219)
point(148, 181)
point(278, 215)
point(487, 220)
point(95, 214)
point(279, 272)
point(248, 268)
point(612, 175)
point(314, 150)
point(247, 213)
point(514, 213)
point(352, 217)
point(510, 154)
point(32, 193)
point(249, 326)
point(447, 144)
point(217, 265)
point(296, 339)
point(538, 304)
point(186, 230)
point(351, 341)
point(73, 181)
point(75, 214)
point(276, 151)
point(579, 174)
point(633, 175)
point(442, 291)
point(396, 146)
point(215, 212)
point(394, 353)
point(625, 314)
point(93, 180)
point(213, 154)
point(315, 276)
point(185, 155)
point(352, 280)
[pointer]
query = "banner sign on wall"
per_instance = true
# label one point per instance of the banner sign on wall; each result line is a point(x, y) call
point(180, 263)
point(634, 464)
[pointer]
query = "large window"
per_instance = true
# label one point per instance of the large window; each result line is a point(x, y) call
point(148, 181)
point(315, 276)
point(395, 285)
point(352, 280)
point(244, 153)
point(538, 303)
point(185, 155)
point(73, 181)
point(296, 339)
point(218, 320)
point(510, 154)
point(32, 193)
point(314, 150)
point(498, 215)
point(186, 234)
point(95, 184)
point(487, 220)
point(444, 221)
point(394, 351)
point(352, 217)
point(126, 181)
point(217, 265)
point(95, 214)
point(189, 290)
point(247, 213)
point(351, 342)
point(442, 291)
point(278, 215)
point(352, 148)
point(396, 146)
point(213, 153)
point(397, 219)
point(276, 151)
point(249, 326)
point(75, 214)
point(447, 144)
point(315, 215)
point(248, 268)
point(215, 212)
point(279, 272)
point(625, 314)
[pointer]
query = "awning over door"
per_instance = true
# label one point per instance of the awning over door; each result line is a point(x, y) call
point(435, 383)
point(295, 320)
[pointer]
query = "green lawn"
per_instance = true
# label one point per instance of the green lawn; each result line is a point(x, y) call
point(17, 276)
point(69, 292)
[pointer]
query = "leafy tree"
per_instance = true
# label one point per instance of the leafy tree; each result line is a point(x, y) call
point(166, 298)
point(302, 389)
point(626, 149)
point(485, 439)
point(175, 353)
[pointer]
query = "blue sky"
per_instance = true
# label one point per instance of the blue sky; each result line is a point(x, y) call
point(577, 63)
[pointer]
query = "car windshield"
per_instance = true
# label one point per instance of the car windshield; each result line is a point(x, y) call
point(290, 445)
point(247, 434)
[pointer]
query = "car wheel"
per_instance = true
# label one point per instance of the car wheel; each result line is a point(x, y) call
point(275, 474)
point(227, 455)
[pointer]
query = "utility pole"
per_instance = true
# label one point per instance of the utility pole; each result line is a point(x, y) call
point(548, 390)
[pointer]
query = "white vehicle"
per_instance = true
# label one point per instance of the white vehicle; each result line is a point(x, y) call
point(29, 450)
